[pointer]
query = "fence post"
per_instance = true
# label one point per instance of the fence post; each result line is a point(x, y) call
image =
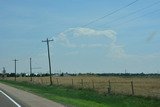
point(132, 87)
point(41, 80)
point(53, 81)
point(32, 79)
point(109, 87)
point(72, 82)
point(82, 82)
point(57, 81)
point(93, 84)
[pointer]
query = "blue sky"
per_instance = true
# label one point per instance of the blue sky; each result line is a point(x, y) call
point(128, 39)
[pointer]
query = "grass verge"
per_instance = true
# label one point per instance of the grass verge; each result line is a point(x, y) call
point(83, 97)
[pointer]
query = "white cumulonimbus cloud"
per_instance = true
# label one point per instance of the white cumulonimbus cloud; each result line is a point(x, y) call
point(91, 33)
point(63, 37)
point(72, 34)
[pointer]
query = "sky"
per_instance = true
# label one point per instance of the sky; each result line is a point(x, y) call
point(90, 36)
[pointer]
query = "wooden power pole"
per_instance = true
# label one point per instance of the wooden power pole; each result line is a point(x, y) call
point(47, 41)
point(15, 61)
point(31, 69)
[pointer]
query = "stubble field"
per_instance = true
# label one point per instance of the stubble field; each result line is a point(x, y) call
point(142, 86)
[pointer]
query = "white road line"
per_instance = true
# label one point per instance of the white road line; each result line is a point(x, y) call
point(10, 99)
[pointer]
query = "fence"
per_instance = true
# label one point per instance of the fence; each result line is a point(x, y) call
point(111, 85)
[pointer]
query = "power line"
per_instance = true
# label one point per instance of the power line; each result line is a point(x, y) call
point(128, 21)
point(108, 14)
point(113, 12)
point(132, 13)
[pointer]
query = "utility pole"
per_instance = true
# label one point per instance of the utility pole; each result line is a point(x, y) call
point(15, 61)
point(49, 59)
point(31, 69)
point(3, 72)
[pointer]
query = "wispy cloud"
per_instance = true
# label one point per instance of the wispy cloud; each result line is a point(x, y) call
point(72, 53)
point(116, 51)
point(91, 45)
point(151, 36)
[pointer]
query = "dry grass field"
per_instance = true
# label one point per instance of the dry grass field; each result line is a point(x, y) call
point(142, 86)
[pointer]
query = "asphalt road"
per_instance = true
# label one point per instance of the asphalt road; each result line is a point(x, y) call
point(24, 99)
point(5, 101)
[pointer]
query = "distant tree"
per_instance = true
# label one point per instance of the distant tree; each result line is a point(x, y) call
point(12, 74)
point(3, 72)
point(62, 74)
point(23, 74)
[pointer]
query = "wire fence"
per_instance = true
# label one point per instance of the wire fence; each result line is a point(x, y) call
point(106, 86)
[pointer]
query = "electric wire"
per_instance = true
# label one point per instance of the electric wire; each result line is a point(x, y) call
point(132, 13)
point(109, 14)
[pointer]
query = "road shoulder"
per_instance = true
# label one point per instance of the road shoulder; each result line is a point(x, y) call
point(26, 99)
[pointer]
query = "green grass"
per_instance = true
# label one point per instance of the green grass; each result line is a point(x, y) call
point(83, 97)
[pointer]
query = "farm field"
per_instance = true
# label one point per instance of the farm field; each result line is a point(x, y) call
point(138, 86)
point(72, 97)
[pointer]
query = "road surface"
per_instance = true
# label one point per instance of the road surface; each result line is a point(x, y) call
point(23, 98)
point(6, 101)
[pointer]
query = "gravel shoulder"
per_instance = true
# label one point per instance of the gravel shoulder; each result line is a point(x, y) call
point(26, 99)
